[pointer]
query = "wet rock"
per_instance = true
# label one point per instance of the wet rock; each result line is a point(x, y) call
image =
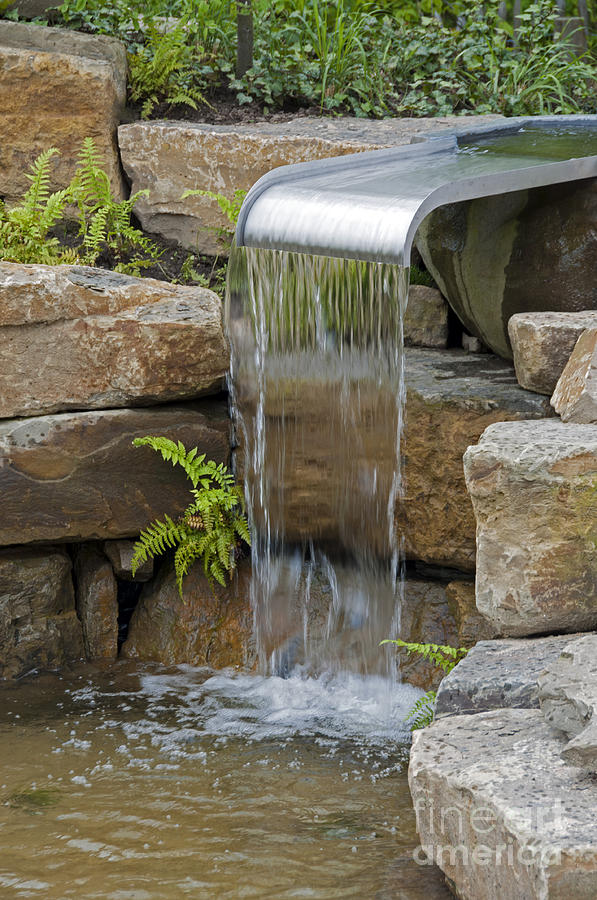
point(76, 476)
point(97, 603)
point(171, 157)
point(520, 252)
point(568, 697)
point(57, 87)
point(120, 554)
point(533, 490)
point(81, 338)
point(575, 396)
point(210, 626)
point(500, 812)
point(39, 628)
point(498, 674)
point(542, 343)
point(425, 318)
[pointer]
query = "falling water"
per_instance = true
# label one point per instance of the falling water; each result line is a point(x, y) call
point(318, 391)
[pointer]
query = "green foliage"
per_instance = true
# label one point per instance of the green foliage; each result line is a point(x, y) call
point(421, 276)
point(445, 658)
point(163, 69)
point(229, 206)
point(211, 527)
point(104, 223)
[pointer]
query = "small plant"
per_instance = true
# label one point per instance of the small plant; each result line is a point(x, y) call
point(230, 206)
point(210, 528)
point(445, 658)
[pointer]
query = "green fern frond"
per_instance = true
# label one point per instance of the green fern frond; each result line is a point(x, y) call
point(441, 655)
point(422, 712)
point(155, 540)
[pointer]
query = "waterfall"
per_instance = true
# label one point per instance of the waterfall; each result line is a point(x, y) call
point(317, 388)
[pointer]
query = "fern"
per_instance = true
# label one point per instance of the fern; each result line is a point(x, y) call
point(422, 712)
point(230, 207)
point(211, 527)
point(164, 70)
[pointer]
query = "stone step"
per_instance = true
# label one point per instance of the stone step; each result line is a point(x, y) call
point(532, 485)
point(575, 395)
point(82, 338)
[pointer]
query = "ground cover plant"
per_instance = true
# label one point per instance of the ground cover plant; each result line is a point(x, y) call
point(360, 56)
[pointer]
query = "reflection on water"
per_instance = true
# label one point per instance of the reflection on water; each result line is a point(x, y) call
point(555, 143)
point(142, 783)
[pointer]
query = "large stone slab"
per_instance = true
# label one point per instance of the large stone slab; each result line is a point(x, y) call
point(542, 343)
point(57, 87)
point(81, 338)
point(568, 697)
point(76, 476)
point(575, 396)
point(452, 396)
point(500, 812)
point(533, 490)
point(498, 674)
point(210, 626)
point(97, 603)
point(170, 157)
point(518, 252)
point(39, 628)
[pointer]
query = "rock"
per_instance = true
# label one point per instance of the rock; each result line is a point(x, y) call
point(76, 476)
point(109, 340)
point(542, 343)
point(451, 398)
point(533, 490)
point(39, 628)
point(426, 318)
point(472, 626)
point(120, 554)
point(575, 396)
point(568, 697)
point(57, 87)
point(208, 627)
point(500, 812)
point(97, 603)
point(170, 157)
point(518, 252)
point(498, 674)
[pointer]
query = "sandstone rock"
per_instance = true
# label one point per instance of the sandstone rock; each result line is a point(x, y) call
point(568, 697)
point(425, 318)
point(533, 490)
point(208, 627)
point(97, 603)
point(498, 674)
point(451, 398)
point(39, 628)
point(472, 626)
point(76, 476)
point(171, 157)
point(498, 810)
point(519, 252)
point(168, 346)
point(120, 554)
point(575, 396)
point(57, 87)
point(542, 343)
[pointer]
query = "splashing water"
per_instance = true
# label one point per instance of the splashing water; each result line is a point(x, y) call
point(318, 390)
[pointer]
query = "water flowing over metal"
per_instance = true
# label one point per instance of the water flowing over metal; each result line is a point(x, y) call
point(369, 205)
point(317, 389)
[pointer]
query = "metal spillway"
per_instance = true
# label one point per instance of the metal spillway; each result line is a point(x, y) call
point(369, 205)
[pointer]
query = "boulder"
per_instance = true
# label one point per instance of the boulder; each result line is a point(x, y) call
point(76, 476)
point(39, 628)
point(472, 626)
point(95, 349)
point(451, 398)
point(210, 626)
point(169, 158)
point(97, 603)
point(518, 252)
point(575, 396)
point(532, 486)
point(568, 697)
point(498, 674)
point(120, 554)
point(425, 318)
point(57, 87)
point(542, 343)
point(500, 812)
